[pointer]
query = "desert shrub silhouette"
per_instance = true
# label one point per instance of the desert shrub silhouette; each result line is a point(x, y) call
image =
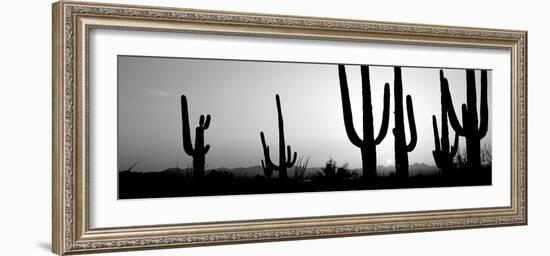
point(300, 168)
point(331, 172)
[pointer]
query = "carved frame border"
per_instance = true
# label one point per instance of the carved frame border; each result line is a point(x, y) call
point(72, 22)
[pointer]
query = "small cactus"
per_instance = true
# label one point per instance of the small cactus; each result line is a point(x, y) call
point(443, 156)
point(268, 169)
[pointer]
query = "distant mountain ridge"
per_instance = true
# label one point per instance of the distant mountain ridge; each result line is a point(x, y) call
point(414, 169)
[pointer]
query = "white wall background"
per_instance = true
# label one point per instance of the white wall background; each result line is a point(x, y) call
point(25, 149)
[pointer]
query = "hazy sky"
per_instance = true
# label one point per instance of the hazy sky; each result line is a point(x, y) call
point(240, 97)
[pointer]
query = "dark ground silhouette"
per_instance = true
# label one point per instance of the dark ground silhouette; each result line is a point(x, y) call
point(176, 182)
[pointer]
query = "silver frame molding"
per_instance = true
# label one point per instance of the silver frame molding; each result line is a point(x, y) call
point(72, 22)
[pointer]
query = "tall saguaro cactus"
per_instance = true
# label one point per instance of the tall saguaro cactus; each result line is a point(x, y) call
point(400, 142)
point(472, 128)
point(369, 142)
point(199, 152)
point(284, 150)
point(443, 156)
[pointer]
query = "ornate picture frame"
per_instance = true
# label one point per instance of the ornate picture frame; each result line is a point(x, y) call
point(72, 209)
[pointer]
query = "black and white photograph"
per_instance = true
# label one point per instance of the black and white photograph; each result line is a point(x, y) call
point(205, 127)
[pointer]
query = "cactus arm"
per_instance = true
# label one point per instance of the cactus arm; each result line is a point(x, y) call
point(385, 115)
point(412, 124)
point(265, 147)
point(484, 108)
point(206, 148)
point(436, 135)
point(201, 121)
point(187, 146)
point(453, 119)
point(448, 103)
point(288, 154)
point(206, 123)
point(454, 148)
point(471, 100)
point(293, 159)
point(346, 106)
point(290, 163)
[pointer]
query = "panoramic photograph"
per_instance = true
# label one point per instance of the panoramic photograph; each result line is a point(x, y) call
point(207, 127)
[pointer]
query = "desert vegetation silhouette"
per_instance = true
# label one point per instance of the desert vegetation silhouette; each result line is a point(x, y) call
point(454, 167)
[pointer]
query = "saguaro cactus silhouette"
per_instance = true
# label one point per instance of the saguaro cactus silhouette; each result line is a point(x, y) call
point(200, 150)
point(268, 168)
point(469, 128)
point(369, 142)
point(401, 146)
point(443, 156)
point(284, 150)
